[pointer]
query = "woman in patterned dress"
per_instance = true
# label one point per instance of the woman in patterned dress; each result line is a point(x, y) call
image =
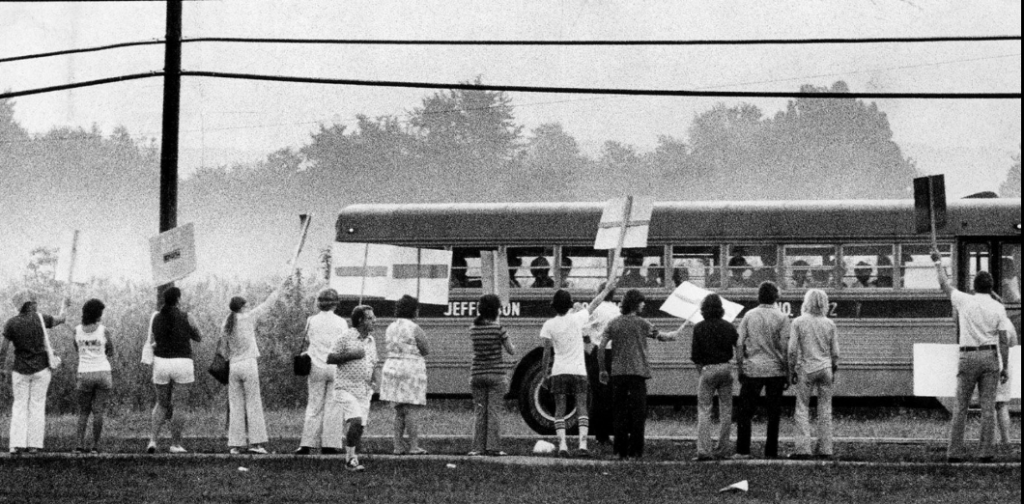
point(404, 382)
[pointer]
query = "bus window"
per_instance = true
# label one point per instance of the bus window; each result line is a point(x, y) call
point(749, 266)
point(642, 269)
point(466, 269)
point(584, 268)
point(810, 266)
point(1009, 284)
point(537, 263)
point(697, 265)
point(918, 270)
point(868, 267)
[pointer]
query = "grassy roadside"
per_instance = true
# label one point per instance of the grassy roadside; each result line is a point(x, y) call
point(410, 481)
point(455, 418)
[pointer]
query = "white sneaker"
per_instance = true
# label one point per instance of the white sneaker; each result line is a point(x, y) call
point(258, 450)
point(235, 451)
point(177, 450)
point(354, 465)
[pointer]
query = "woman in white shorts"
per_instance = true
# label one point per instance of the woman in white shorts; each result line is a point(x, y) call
point(95, 346)
point(172, 334)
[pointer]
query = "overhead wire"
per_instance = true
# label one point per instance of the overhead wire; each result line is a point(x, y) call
point(576, 43)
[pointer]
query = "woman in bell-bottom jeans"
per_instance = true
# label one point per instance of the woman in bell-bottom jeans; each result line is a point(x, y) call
point(814, 360)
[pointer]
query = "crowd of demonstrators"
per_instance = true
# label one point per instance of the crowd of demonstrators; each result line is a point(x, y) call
point(404, 376)
point(488, 382)
point(564, 356)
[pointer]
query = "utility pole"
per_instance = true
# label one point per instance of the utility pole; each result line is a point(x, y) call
point(169, 140)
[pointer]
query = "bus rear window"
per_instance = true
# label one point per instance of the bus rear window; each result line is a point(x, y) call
point(917, 268)
point(697, 265)
point(583, 268)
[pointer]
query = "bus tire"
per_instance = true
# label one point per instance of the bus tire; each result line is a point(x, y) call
point(537, 405)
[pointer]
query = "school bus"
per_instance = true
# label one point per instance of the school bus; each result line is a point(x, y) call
point(866, 254)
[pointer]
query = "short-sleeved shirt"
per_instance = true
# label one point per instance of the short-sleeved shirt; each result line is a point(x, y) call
point(26, 333)
point(488, 345)
point(764, 341)
point(92, 350)
point(323, 331)
point(566, 336)
point(355, 376)
point(629, 334)
point(603, 314)
point(981, 319)
point(174, 333)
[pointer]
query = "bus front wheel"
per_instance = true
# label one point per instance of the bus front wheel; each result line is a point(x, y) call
point(537, 404)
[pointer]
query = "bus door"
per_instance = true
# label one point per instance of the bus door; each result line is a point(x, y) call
point(1001, 257)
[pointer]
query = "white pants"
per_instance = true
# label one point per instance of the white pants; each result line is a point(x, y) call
point(245, 405)
point(321, 389)
point(28, 418)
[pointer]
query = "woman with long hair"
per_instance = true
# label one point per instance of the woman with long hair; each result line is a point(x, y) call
point(714, 343)
point(95, 345)
point(247, 428)
point(173, 368)
point(813, 362)
point(488, 381)
point(404, 382)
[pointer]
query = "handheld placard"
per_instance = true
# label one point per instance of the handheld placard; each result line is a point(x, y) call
point(304, 221)
point(625, 224)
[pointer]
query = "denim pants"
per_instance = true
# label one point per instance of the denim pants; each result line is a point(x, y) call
point(488, 398)
point(820, 382)
point(245, 405)
point(977, 370)
point(716, 379)
point(630, 406)
point(28, 415)
point(750, 394)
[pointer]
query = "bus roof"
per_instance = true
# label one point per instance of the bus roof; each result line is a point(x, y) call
point(577, 223)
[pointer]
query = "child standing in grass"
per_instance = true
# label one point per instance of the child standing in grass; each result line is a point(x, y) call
point(95, 346)
point(488, 376)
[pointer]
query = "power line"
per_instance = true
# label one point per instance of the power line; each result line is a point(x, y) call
point(603, 91)
point(568, 43)
point(77, 85)
point(79, 51)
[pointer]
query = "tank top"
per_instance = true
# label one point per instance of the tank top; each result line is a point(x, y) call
point(92, 350)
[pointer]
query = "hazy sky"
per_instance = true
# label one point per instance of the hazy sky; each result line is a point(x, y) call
point(225, 121)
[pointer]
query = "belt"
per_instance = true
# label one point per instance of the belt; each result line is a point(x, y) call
point(978, 349)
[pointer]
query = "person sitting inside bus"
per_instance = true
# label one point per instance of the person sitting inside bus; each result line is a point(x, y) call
point(655, 275)
point(740, 274)
point(540, 268)
point(1010, 285)
point(801, 278)
point(566, 272)
point(862, 274)
point(514, 262)
point(631, 277)
point(460, 275)
point(679, 276)
point(885, 279)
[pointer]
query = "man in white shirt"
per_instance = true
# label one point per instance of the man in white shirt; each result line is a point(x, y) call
point(600, 394)
point(563, 340)
point(984, 358)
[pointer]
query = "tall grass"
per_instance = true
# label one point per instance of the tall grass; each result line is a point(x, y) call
point(129, 308)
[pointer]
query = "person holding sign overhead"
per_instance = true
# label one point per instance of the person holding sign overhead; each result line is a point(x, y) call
point(247, 427)
point(984, 358)
point(33, 361)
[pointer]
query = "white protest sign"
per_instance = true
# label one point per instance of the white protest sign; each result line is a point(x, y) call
point(494, 274)
point(935, 370)
point(424, 273)
point(631, 216)
point(685, 303)
point(173, 254)
point(73, 259)
point(1015, 372)
point(361, 269)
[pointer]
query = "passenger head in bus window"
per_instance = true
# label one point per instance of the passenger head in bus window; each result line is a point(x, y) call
point(631, 277)
point(862, 273)
point(540, 268)
point(1010, 285)
point(740, 273)
point(633, 303)
point(680, 275)
point(885, 279)
point(801, 274)
point(460, 278)
point(566, 272)
point(655, 276)
point(514, 262)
